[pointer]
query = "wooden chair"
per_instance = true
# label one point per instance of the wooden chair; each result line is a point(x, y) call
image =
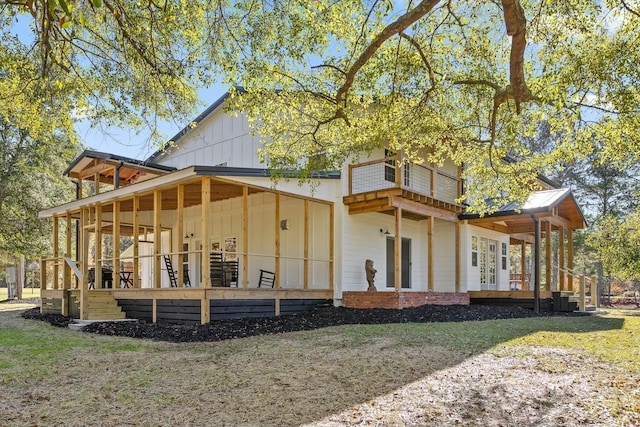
point(230, 276)
point(172, 274)
point(186, 282)
point(216, 269)
point(267, 279)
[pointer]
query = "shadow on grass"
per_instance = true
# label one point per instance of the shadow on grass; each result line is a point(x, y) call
point(290, 379)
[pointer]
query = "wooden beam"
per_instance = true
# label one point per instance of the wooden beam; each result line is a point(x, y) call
point(66, 284)
point(245, 236)
point(136, 243)
point(306, 245)
point(116, 244)
point(94, 170)
point(98, 261)
point(561, 275)
point(180, 209)
point(524, 237)
point(548, 267)
point(369, 206)
point(277, 242)
point(96, 183)
point(205, 310)
point(430, 276)
point(397, 263)
point(205, 198)
point(570, 259)
point(422, 209)
point(332, 228)
point(157, 238)
point(56, 250)
point(523, 265)
point(84, 263)
point(458, 261)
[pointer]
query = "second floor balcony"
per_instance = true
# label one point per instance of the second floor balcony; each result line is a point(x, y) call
point(374, 183)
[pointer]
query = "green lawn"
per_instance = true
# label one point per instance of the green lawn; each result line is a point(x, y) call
point(26, 293)
point(585, 368)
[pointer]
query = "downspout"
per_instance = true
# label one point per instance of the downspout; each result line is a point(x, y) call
point(116, 178)
point(536, 264)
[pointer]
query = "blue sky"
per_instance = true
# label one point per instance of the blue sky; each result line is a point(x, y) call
point(126, 143)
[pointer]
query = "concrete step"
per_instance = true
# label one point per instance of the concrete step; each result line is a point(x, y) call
point(78, 324)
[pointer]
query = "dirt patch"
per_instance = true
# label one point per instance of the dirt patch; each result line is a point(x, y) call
point(319, 318)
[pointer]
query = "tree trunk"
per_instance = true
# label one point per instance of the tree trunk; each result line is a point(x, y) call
point(600, 282)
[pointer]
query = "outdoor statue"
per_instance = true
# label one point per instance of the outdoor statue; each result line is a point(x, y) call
point(371, 274)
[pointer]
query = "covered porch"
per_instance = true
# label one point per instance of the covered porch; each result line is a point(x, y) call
point(197, 244)
point(420, 198)
point(541, 236)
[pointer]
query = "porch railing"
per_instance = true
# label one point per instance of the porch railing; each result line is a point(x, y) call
point(386, 174)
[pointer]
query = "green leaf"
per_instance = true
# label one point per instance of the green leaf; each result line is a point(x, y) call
point(64, 6)
point(97, 3)
point(81, 17)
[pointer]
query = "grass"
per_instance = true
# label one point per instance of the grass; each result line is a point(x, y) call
point(58, 376)
point(26, 293)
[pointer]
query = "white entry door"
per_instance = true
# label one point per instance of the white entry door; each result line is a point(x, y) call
point(488, 253)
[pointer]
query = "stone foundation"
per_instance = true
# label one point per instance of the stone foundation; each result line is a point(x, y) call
point(383, 299)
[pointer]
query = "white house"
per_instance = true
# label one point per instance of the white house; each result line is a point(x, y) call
point(211, 236)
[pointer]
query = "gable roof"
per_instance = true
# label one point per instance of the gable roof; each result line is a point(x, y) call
point(559, 201)
point(91, 162)
point(210, 109)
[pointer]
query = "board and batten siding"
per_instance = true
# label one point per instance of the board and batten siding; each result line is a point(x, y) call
point(220, 139)
point(362, 240)
point(225, 221)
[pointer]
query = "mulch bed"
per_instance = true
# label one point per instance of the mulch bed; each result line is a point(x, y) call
point(318, 318)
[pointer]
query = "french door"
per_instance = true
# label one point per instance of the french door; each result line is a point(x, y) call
point(488, 253)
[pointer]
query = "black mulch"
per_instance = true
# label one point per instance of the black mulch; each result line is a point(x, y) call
point(321, 317)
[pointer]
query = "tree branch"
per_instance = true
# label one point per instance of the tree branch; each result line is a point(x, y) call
point(401, 24)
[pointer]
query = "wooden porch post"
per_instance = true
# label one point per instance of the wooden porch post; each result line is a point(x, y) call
point(96, 183)
point(457, 283)
point(561, 275)
point(306, 244)
point(245, 236)
point(277, 243)
point(523, 265)
point(206, 238)
point(116, 244)
point(136, 245)
point(536, 265)
point(180, 208)
point(56, 251)
point(84, 261)
point(332, 228)
point(397, 249)
point(548, 267)
point(98, 261)
point(66, 284)
point(570, 258)
point(157, 237)
point(430, 224)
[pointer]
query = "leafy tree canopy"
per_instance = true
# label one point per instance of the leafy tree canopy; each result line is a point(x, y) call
point(433, 79)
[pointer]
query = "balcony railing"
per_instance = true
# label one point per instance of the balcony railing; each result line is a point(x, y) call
point(386, 174)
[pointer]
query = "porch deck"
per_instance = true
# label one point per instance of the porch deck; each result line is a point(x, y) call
point(191, 305)
point(564, 301)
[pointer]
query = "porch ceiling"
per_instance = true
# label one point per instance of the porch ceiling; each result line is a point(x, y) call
point(557, 206)
point(91, 164)
point(220, 190)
